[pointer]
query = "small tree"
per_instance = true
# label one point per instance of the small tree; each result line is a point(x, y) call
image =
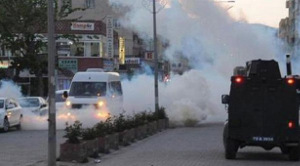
point(161, 113)
point(22, 25)
point(119, 123)
point(89, 134)
point(100, 129)
point(73, 132)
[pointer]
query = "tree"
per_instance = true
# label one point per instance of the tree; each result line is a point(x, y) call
point(23, 25)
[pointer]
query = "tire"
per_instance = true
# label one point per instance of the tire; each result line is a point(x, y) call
point(284, 150)
point(231, 149)
point(294, 153)
point(225, 135)
point(5, 125)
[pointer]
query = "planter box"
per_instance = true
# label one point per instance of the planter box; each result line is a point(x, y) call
point(113, 140)
point(162, 124)
point(143, 130)
point(92, 147)
point(125, 138)
point(140, 132)
point(137, 133)
point(131, 135)
point(152, 127)
point(74, 152)
point(167, 123)
point(149, 129)
point(103, 144)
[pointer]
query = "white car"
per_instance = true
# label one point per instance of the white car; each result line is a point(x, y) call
point(37, 105)
point(10, 114)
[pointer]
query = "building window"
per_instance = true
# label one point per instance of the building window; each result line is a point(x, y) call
point(90, 4)
point(95, 49)
point(77, 49)
point(116, 23)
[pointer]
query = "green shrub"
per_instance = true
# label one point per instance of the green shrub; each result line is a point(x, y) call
point(109, 126)
point(151, 116)
point(73, 132)
point(119, 123)
point(130, 122)
point(103, 128)
point(161, 113)
point(100, 129)
point(139, 120)
point(89, 134)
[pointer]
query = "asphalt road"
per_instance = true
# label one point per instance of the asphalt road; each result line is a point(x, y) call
point(174, 147)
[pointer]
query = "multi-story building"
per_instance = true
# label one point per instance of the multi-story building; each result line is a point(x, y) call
point(97, 40)
point(289, 26)
point(131, 49)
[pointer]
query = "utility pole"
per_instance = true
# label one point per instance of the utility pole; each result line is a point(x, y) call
point(51, 87)
point(154, 11)
point(155, 58)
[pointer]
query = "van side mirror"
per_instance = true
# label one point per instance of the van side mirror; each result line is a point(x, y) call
point(43, 105)
point(225, 99)
point(65, 94)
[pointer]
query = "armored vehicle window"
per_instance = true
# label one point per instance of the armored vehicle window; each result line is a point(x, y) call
point(266, 69)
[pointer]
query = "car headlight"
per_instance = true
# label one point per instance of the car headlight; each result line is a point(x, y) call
point(101, 103)
point(68, 103)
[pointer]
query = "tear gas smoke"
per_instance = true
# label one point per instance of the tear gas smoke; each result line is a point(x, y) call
point(214, 44)
point(33, 121)
point(203, 33)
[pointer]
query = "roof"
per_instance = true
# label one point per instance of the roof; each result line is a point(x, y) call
point(96, 76)
point(61, 91)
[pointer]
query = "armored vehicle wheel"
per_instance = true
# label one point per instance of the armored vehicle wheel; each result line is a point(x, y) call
point(231, 148)
point(294, 153)
point(284, 150)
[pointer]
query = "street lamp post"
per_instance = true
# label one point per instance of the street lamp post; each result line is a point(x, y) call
point(154, 11)
point(155, 58)
point(51, 86)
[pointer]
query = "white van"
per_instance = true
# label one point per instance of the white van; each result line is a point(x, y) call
point(95, 89)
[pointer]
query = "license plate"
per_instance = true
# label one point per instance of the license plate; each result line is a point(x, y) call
point(263, 139)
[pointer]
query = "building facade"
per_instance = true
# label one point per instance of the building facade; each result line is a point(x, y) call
point(289, 26)
point(131, 47)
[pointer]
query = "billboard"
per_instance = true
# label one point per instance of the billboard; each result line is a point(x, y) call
point(69, 64)
point(82, 26)
point(109, 37)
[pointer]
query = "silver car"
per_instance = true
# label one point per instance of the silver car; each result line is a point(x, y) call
point(36, 105)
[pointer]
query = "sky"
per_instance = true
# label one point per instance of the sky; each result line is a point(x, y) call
point(268, 12)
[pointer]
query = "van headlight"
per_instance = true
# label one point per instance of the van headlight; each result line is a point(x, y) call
point(100, 103)
point(68, 103)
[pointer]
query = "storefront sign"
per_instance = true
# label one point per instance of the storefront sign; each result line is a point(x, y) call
point(69, 64)
point(122, 50)
point(135, 61)
point(110, 36)
point(82, 26)
point(4, 64)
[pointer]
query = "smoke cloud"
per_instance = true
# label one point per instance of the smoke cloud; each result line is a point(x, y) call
point(212, 41)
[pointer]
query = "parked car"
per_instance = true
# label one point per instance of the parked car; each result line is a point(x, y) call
point(37, 105)
point(10, 114)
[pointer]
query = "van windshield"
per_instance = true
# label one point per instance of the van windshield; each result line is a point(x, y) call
point(88, 89)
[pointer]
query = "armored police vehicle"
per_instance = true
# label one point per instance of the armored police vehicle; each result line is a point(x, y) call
point(263, 110)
